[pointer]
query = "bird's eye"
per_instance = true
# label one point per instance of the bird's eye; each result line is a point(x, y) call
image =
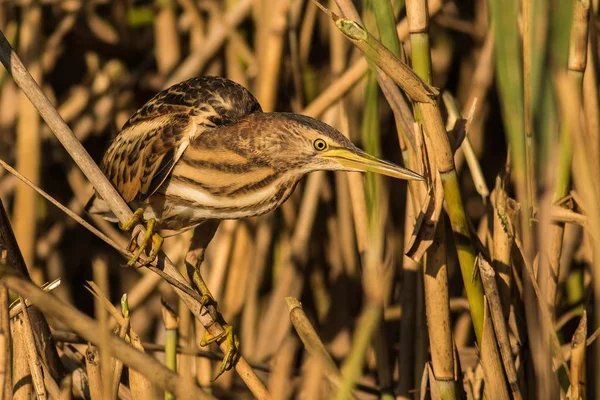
point(320, 145)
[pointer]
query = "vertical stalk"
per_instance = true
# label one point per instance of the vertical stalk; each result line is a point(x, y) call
point(436, 271)
point(418, 21)
point(171, 326)
point(28, 152)
point(437, 307)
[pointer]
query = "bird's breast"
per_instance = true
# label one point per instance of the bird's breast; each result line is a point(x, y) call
point(201, 189)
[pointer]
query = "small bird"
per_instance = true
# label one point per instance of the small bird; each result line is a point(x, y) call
point(203, 149)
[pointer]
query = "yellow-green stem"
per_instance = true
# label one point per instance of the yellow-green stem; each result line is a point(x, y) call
point(370, 137)
point(421, 56)
point(170, 355)
point(384, 15)
point(464, 249)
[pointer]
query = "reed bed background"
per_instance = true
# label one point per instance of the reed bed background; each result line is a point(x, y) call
point(483, 282)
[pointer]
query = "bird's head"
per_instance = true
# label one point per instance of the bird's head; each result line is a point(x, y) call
point(302, 144)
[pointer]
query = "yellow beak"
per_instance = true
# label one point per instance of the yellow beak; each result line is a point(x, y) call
point(358, 160)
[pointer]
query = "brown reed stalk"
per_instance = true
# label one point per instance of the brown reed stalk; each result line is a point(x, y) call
point(280, 380)
point(24, 80)
point(28, 146)
point(167, 50)
point(117, 365)
point(313, 343)
point(197, 60)
point(88, 328)
point(438, 315)
point(577, 390)
point(22, 386)
point(275, 25)
point(41, 330)
point(94, 373)
point(100, 274)
point(5, 339)
point(499, 322)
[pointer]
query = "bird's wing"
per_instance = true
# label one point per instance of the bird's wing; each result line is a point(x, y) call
point(152, 141)
point(144, 153)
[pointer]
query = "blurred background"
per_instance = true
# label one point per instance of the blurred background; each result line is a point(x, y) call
point(518, 72)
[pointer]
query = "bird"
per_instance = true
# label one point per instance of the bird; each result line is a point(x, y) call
point(204, 150)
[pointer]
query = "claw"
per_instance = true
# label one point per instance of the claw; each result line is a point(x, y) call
point(233, 344)
point(137, 216)
point(231, 340)
point(150, 236)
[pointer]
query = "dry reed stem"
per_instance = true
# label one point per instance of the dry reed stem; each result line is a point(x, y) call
point(88, 329)
point(223, 248)
point(28, 146)
point(270, 63)
point(577, 378)
point(141, 386)
point(488, 277)
point(544, 311)
point(5, 340)
point(280, 385)
point(479, 84)
point(22, 387)
point(438, 310)
point(167, 50)
point(290, 283)
point(503, 228)
point(24, 80)
point(117, 365)
point(495, 383)
point(240, 267)
point(312, 342)
point(14, 259)
point(100, 274)
point(250, 312)
point(312, 385)
point(439, 145)
point(70, 337)
point(94, 373)
point(197, 60)
point(35, 366)
point(66, 388)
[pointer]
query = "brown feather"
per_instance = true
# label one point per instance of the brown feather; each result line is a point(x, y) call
point(152, 141)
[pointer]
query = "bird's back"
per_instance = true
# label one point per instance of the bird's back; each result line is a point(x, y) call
point(145, 151)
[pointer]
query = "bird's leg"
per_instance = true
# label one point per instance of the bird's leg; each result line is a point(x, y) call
point(203, 234)
point(150, 236)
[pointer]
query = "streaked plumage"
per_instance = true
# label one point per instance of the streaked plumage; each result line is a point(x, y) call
point(203, 149)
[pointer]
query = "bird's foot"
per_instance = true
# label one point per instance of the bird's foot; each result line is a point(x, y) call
point(232, 353)
point(231, 340)
point(150, 237)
